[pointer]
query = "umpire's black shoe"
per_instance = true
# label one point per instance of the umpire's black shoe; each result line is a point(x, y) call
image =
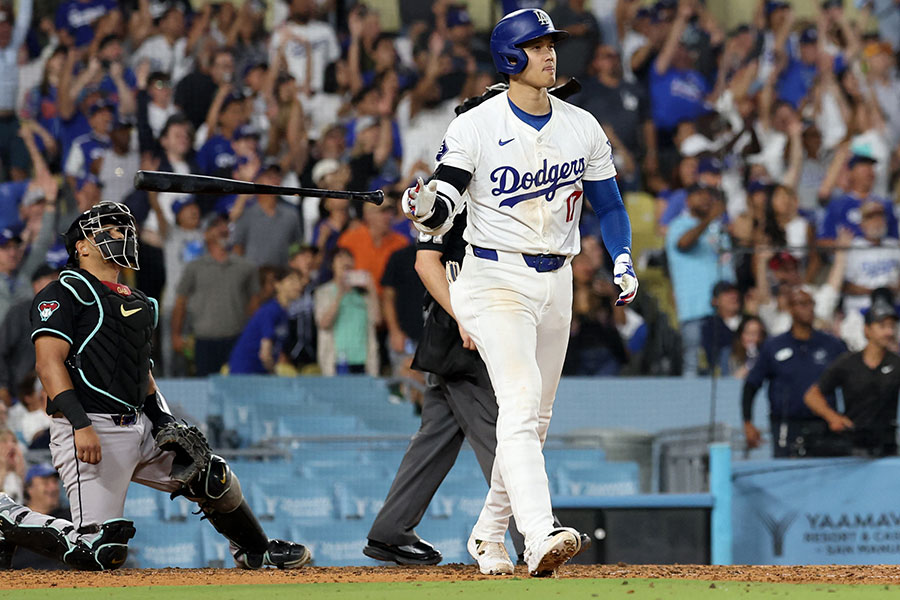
point(417, 553)
point(281, 554)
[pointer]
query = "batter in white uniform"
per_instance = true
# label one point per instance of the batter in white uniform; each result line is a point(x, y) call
point(527, 160)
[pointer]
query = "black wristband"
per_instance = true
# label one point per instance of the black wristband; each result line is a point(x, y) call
point(67, 403)
point(158, 417)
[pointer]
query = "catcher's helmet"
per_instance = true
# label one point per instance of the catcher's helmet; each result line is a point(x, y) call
point(96, 222)
point(517, 28)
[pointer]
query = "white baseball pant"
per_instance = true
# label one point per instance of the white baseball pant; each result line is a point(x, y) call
point(519, 319)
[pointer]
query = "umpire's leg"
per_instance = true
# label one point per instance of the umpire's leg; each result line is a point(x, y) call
point(429, 457)
point(475, 408)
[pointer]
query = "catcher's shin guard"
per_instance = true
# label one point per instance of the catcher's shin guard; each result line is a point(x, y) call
point(241, 528)
point(55, 538)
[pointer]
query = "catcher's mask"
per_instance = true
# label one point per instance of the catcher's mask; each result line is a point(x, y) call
point(96, 225)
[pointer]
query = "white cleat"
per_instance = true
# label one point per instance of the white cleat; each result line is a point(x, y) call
point(492, 557)
point(552, 552)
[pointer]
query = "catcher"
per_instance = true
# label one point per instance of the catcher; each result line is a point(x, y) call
point(111, 425)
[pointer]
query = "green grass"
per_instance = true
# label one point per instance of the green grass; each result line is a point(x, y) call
point(605, 589)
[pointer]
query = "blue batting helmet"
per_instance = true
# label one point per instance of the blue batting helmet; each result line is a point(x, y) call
point(515, 29)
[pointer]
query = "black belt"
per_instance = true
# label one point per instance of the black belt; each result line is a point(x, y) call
point(542, 263)
point(125, 420)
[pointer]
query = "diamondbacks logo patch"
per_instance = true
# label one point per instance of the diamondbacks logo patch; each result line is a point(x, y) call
point(45, 309)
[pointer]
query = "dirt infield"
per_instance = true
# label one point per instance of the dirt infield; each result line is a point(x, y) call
point(881, 574)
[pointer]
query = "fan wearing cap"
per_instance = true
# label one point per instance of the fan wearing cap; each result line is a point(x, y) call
point(223, 124)
point(92, 337)
point(781, 271)
point(301, 28)
point(678, 91)
point(869, 381)
point(693, 244)
point(119, 163)
point(798, 73)
point(92, 145)
point(845, 211)
point(874, 260)
point(13, 30)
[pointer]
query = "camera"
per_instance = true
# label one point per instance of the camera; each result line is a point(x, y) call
point(358, 278)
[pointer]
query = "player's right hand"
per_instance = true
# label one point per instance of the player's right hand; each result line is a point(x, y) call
point(418, 201)
point(87, 445)
point(468, 344)
point(624, 277)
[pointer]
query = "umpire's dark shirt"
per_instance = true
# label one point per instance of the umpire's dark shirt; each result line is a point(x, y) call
point(451, 245)
point(791, 366)
point(870, 395)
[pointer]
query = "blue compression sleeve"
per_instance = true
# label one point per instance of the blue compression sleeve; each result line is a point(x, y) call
point(614, 223)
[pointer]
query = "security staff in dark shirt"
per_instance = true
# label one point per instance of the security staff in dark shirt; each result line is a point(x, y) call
point(870, 383)
point(791, 362)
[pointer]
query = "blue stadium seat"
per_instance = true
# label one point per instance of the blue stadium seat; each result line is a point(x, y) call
point(177, 510)
point(449, 537)
point(301, 500)
point(143, 502)
point(215, 549)
point(168, 545)
point(335, 544)
point(361, 499)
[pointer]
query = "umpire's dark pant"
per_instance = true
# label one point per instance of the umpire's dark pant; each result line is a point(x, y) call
point(453, 410)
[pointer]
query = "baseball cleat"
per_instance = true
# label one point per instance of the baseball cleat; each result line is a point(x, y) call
point(280, 554)
point(552, 552)
point(419, 552)
point(492, 557)
point(584, 543)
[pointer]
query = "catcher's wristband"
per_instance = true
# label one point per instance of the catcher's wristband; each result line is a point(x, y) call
point(67, 403)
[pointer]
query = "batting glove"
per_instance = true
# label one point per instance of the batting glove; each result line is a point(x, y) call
point(624, 277)
point(418, 202)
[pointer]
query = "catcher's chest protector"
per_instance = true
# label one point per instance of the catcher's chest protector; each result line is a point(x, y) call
point(115, 356)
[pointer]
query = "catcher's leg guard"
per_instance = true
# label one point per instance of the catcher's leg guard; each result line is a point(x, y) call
point(57, 538)
point(218, 492)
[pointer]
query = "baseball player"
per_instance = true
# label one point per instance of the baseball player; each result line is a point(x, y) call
point(111, 425)
point(527, 160)
point(459, 403)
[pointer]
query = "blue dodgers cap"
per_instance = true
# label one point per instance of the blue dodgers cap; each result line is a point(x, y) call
point(880, 310)
point(89, 178)
point(40, 470)
point(181, 203)
point(101, 105)
point(809, 36)
point(774, 5)
point(458, 15)
point(245, 131)
point(860, 159)
point(8, 235)
point(709, 164)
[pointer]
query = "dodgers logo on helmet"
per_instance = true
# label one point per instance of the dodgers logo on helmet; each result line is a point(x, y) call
point(515, 29)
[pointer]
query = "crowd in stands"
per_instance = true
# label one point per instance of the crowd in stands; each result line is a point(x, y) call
point(765, 153)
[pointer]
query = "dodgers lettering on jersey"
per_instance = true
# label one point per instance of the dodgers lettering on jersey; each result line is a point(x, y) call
point(526, 191)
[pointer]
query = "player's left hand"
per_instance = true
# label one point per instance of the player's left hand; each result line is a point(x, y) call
point(624, 277)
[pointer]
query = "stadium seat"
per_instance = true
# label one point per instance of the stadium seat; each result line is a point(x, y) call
point(298, 500)
point(361, 499)
point(335, 544)
point(168, 545)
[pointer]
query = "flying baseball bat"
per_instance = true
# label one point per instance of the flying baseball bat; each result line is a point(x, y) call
point(160, 181)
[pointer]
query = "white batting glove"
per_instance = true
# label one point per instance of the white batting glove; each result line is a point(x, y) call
point(418, 201)
point(624, 277)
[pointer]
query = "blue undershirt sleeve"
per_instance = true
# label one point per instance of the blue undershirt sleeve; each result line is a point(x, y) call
point(614, 223)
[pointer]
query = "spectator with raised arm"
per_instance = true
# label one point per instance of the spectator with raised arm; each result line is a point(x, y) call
point(13, 29)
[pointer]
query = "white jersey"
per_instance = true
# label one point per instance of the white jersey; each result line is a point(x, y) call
point(526, 190)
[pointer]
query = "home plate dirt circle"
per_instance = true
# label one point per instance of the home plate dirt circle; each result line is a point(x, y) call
point(25, 579)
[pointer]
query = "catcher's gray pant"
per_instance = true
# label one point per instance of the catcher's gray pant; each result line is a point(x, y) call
point(128, 453)
point(453, 410)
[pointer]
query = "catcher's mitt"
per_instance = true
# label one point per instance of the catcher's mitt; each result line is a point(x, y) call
point(192, 451)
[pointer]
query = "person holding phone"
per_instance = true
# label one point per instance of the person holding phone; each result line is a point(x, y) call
point(347, 313)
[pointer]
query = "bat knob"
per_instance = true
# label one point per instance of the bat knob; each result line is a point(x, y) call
point(377, 197)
